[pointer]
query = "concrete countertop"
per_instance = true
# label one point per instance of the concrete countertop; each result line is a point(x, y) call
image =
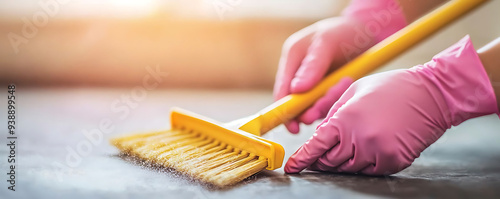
point(464, 163)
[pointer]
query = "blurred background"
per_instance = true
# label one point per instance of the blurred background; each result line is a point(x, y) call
point(199, 43)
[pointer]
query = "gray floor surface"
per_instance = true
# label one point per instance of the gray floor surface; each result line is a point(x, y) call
point(464, 163)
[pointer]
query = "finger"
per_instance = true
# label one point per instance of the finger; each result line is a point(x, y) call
point(317, 166)
point(334, 120)
point(357, 163)
point(382, 167)
point(325, 137)
point(292, 126)
point(321, 107)
point(343, 151)
point(294, 51)
point(369, 170)
point(314, 66)
point(322, 140)
point(337, 154)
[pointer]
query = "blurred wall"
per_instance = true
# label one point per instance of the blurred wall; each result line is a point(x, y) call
point(116, 52)
point(196, 47)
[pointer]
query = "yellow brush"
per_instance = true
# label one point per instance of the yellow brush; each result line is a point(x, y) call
point(221, 155)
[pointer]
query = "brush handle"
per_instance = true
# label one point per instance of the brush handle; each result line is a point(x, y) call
point(292, 105)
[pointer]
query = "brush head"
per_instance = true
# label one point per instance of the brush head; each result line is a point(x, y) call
point(203, 149)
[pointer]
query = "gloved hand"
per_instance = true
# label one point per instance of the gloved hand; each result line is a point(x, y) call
point(384, 121)
point(328, 44)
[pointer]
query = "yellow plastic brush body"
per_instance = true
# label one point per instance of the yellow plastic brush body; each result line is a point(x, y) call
point(273, 152)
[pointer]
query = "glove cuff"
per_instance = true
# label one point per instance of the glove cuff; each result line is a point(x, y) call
point(463, 82)
point(381, 18)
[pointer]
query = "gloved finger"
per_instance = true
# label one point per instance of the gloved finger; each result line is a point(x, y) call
point(314, 66)
point(325, 137)
point(323, 105)
point(333, 121)
point(318, 166)
point(321, 141)
point(358, 162)
point(294, 51)
point(341, 152)
point(385, 167)
point(292, 126)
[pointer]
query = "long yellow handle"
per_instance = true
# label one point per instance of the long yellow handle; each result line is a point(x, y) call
point(292, 105)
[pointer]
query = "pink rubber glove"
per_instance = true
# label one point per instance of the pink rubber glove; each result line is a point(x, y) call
point(384, 121)
point(311, 52)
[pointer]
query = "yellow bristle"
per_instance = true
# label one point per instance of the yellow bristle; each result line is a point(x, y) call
point(235, 162)
point(194, 154)
point(237, 174)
